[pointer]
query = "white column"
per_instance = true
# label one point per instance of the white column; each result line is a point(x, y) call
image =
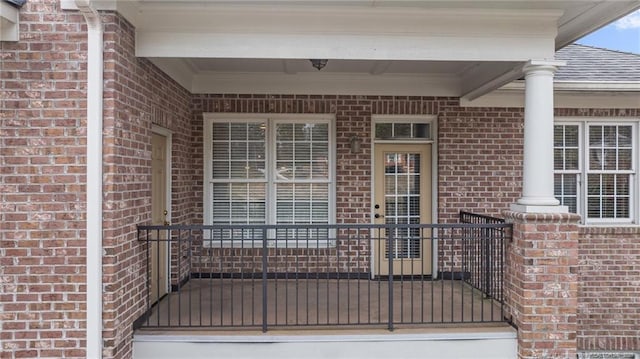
point(537, 181)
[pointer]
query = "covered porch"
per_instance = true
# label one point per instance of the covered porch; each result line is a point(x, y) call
point(306, 276)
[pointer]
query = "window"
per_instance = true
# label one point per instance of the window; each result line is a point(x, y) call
point(594, 166)
point(269, 170)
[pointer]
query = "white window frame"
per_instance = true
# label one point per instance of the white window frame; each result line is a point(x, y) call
point(583, 124)
point(271, 121)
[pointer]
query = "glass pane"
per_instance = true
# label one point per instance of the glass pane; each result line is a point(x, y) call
point(595, 136)
point(220, 150)
point(220, 132)
point(255, 151)
point(402, 130)
point(571, 202)
point(239, 169)
point(302, 170)
point(384, 131)
point(595, 159)
point(570, 185)
point(622, 207)
point(558, 136)
point(610, 159)
point(608, 208)
point(390, 185)
point(220, 169)
point(624, 159)
point(302, 203)
point(593, 185)
point(421, 130)
point(256, 170)
point(414, 206)
point(284, 131)
point(625, 136)
point(284, 171)
point(320, 132)
point(571, 136)
point(593, 207)
point(302, 151)
point(557, 185)
point(238, 203)
point(238, 150)
point(571, 160)
point(622, 185)
point(610, 136)
point(320, 169)
point(238, 131)
point(558, 159)
point(608, 185)
point(256, 131)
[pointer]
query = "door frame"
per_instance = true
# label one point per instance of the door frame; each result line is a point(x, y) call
point(432, 120)
point(158, 130)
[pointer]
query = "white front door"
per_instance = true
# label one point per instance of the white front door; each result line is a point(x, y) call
point(402, 195)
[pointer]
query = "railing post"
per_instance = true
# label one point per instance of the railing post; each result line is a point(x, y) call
point(264, 280)
point(390, 255)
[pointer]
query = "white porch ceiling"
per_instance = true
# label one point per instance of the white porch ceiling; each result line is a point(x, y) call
point(415, 47)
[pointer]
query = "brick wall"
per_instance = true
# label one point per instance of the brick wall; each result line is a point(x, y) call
point(42, 185)
point(42, 196)
point(479, 160)
point(353, 171)
point(137, 95)
point(609, 290)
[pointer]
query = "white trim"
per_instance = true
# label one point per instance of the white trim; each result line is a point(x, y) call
point(478, 334)
point(168, 134)
point(583, 123)
point(9, 22)
point(271, 120)
point(94, 189)
point(432, 120)
point(566, 95)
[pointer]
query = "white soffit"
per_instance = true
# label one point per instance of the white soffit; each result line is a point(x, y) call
point(9, 22)
point(192, 39)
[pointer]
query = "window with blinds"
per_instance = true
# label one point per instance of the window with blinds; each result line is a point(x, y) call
point(275, 170)
point(594, 170)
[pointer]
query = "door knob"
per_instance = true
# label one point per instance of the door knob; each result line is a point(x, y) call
point(378, 215)
point(166, 223)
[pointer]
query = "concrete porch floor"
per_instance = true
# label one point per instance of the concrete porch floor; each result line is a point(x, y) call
point(231, 304)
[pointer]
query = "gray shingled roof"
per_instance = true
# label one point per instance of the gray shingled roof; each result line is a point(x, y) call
point(16, 3)
point(587, 63)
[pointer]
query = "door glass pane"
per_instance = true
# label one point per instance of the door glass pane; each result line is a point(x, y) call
point(402, 201)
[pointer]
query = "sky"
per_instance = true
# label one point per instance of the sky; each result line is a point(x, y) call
point(622, 35)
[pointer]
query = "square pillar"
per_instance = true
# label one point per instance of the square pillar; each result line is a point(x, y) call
point(541, 282)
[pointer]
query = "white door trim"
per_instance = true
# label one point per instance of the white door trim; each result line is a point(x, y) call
point(433, 121)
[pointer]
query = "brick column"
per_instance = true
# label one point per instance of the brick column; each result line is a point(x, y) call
point(542, 283)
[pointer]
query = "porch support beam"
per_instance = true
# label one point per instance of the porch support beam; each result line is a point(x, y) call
point(537, 187)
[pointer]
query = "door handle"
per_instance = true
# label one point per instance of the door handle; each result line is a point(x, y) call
point(378, 215)
point(166, 223)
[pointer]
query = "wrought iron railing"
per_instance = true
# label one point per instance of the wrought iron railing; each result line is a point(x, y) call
point(483, 253)
point(266, 276)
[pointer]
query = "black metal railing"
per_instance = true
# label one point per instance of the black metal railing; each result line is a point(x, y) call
point(265, 276)
point(483, 253)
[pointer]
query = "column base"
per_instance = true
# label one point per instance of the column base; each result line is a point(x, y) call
point(525, 208)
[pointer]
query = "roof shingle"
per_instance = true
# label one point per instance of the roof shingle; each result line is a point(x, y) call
point(587, 63)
